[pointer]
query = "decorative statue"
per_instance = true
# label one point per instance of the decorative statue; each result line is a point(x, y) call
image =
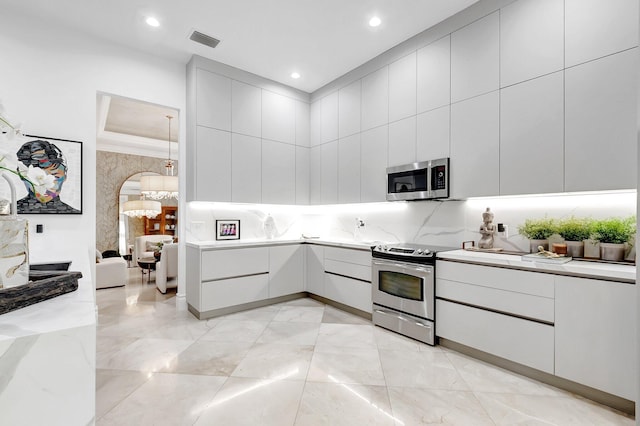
point(487, 229)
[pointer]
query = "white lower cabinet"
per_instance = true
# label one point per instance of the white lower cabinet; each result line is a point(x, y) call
point(526, 342)
point(234, 291)
point(347, 277)
point(348, 291)
point(596, 334)
point(315, 270)
point(286, 270)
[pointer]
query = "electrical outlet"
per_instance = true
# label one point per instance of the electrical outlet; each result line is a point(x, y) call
point(503, 230)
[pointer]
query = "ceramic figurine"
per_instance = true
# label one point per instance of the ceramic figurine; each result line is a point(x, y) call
point(487, 229)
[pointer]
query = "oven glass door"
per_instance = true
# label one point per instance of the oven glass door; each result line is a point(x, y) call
point(404, 286)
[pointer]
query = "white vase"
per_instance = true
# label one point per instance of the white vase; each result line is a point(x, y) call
point(14, 245)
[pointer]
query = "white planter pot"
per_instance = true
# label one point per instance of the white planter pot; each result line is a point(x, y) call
point(592, 249)
point(533, 245)
point(575, 248)
point(610, 251)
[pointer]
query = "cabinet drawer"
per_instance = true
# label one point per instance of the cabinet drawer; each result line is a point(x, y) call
point(534, 283)
point(354, 293)
point(217, 264)
point(358, 257)
point(520, 304)
point(348, 269)
point(525, 342)
point(234, 291)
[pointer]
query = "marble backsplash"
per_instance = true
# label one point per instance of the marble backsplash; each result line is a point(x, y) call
point(444, 223)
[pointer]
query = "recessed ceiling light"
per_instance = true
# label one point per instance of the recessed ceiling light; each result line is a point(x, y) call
point(375, 21)
point(295, 75)
point(152, 22)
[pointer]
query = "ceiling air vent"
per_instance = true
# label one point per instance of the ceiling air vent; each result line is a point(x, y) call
point(198, 37)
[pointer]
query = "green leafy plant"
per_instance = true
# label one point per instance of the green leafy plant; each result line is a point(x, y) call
point(614, 230)
point(537, 229)
point(575, 229)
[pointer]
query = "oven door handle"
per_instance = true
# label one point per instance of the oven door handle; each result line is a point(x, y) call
point(403, 266)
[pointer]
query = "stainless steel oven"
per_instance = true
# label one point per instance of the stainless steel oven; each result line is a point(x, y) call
point(403, 286)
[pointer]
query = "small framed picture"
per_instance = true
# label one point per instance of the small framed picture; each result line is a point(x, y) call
point(227, 229)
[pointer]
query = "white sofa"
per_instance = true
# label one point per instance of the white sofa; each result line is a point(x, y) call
point(142, 251)
point(167, 268)
point(111, 272)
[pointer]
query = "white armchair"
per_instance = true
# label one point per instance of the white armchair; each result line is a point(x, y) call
point(141, 249)
point(167, 268)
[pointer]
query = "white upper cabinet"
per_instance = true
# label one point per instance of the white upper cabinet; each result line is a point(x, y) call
point(315, 121)
point(213, 100)
point(595, 28)
point(246, 164)
point(373, 164)
point(349, 109)
point(278, 117)
point(302, 123)
point(329, 173)
point(601, 123)
point(375, 99)
point(213, 165)
point(349, 169)
point(246, 109)
point(475, 53)
point(303, 174)
point(315, 175)
point(532, 136)
point(531, 40)
point(402, 142)
point(402, 88)
point(434, 75)
point(329, 118)
point(475, 134)
point(432, 134)
point(278, 173)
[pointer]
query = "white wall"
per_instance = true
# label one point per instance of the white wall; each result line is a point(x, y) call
point(48, 81)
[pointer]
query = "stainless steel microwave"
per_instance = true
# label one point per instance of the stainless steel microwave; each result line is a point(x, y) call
point(424, 180)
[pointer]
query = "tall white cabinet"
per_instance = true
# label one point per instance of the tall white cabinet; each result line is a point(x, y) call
point(249, 139)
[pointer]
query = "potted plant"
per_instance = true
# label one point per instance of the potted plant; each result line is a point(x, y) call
point(574, 231)
point(538, 232)
point(613, 233)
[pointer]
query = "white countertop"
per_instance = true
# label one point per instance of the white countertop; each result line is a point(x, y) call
point(70, 310)
point(212, 245)
point(586, 269)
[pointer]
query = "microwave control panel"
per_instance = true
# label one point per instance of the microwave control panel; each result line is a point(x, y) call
point(439, 177)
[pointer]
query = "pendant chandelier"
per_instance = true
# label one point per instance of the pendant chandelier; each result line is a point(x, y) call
point(142, 208)
point(161, 187)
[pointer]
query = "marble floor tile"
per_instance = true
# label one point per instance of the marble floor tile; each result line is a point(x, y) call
point(300, 314)
point(426, 370)
point(166, 399)
point(112, 386)
point(147, 355)
point(336, 316)
point(270, 360)
point(252, 402)
point(344, 405)
point(235, 331)
point(386, 339)
point(347, 335)
point(483, 377)
point(512, 409)
point(299, 362)
point(209, 358)
point(413, 406)
point(291, 333)
point(335, 364)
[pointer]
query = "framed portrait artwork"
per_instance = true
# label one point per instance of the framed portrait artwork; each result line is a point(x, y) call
point(54, 169)
point(227, 229)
